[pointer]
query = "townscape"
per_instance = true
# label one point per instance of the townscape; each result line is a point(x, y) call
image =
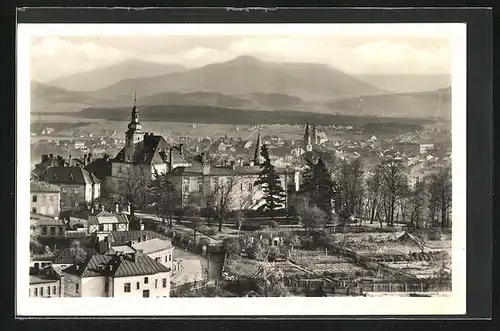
point(152, 208)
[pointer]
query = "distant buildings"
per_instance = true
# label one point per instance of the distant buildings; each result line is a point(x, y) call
point(424, 148)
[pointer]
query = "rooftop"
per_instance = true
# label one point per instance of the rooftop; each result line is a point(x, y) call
point(124, 237)
point(41, 220)
point(69, 175)
point(153, 245)
point(104, 217)
point(114, 265)
point(38, 186)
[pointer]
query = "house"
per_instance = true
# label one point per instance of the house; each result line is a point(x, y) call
point(132, 274)
point(221, 147)
point(79, 144)
point(44, 226)
point(78, 186)
point(321, 138)
point(45, 198)
point(120, 238)
point(157, 249)
point(104, 222)
point(48, 161)
point(46, 283)
point(425, 148)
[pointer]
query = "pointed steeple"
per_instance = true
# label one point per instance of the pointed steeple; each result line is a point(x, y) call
point(314, 135)
point(257, 158)
point(134, 124)
point(307, 139)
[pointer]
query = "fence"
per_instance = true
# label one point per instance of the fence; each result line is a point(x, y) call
point(348, 288)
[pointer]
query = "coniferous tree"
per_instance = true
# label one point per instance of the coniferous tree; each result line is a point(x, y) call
point(318, 186)
point(271, 184)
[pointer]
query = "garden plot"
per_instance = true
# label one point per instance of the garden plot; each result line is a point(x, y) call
point(421, 270)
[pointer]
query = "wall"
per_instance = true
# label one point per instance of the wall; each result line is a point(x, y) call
point(46, 287)
point(160, 291)
point(70, 283)
point(59, 231)
point(72, 196)
point(93, 286)
point(162, 255)
point(46, 204)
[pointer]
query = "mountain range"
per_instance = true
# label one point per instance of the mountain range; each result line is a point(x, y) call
point(242, 83)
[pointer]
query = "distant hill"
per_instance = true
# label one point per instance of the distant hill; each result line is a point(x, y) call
point(217, 115)
point(247, 75)
point(105, 76)
point(407, 83)
point(419, 104)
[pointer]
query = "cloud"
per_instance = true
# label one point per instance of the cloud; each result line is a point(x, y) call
point(54, 57)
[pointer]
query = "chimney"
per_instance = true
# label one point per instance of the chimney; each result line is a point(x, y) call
point(45, 157)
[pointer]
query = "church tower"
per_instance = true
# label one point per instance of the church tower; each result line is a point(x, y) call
point(314, 136)
point(257, 158)
point(134, 134)
point(307, 139)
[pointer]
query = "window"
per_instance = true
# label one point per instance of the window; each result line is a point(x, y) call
point(200, 187)
point(250, 186)
point(34, 198)
point(29, 291)
point(52, 230)
point(48, 291)
point(41, 291)
point(33, 210)
point(42, 198)
point(241, 186)
point(156, 283)
point(76, 191)
point(77, 288)
point(158, 259)
point(144, 238)
point(138, 285)
point(164, 282)
point(44, 230)
point(51, 198)
point(106, 285)
point(36, 291)
point(145, 294)
point(146, 280)
point(54, 290)
point(101, 227)
point(126, 287)
point(169, 257)
point(64, 190)
point(166, 258)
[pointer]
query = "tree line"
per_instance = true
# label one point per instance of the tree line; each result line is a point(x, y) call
point(347, 192)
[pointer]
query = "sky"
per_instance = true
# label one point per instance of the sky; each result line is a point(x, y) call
point(56, 56)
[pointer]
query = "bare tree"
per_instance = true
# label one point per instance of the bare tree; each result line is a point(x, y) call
point(393, 183)
point(417, 196)
point(440, 195)
point(77, 252)
point(350, 180)
point(133, 187)
point(221, 196)
point(163, 194)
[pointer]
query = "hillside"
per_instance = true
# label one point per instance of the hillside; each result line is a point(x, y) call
point(216, 115)
point(246, 75)
point(419, 104)
point(105, 76)
point(407, 83)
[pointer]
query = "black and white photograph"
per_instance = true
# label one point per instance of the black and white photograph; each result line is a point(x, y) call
point(241, 168)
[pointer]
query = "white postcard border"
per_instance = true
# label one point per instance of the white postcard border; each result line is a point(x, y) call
point(452, 305)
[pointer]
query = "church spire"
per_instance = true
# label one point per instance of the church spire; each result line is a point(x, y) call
point(307, 139)
point(257, 158)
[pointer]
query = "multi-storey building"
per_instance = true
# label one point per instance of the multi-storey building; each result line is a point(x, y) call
point(45, 198)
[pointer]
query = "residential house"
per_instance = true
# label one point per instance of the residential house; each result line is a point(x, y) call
point(78, 186)
point(44, 226)
point(103, 222)
point(157, 249)
point(425, 148)
point(118, 275)
point(45, 198)
point(46, 283)
point(120, 238)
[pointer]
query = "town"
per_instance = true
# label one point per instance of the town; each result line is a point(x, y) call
point(263, 210)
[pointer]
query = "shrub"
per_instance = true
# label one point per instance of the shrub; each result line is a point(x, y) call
point(274, 225)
